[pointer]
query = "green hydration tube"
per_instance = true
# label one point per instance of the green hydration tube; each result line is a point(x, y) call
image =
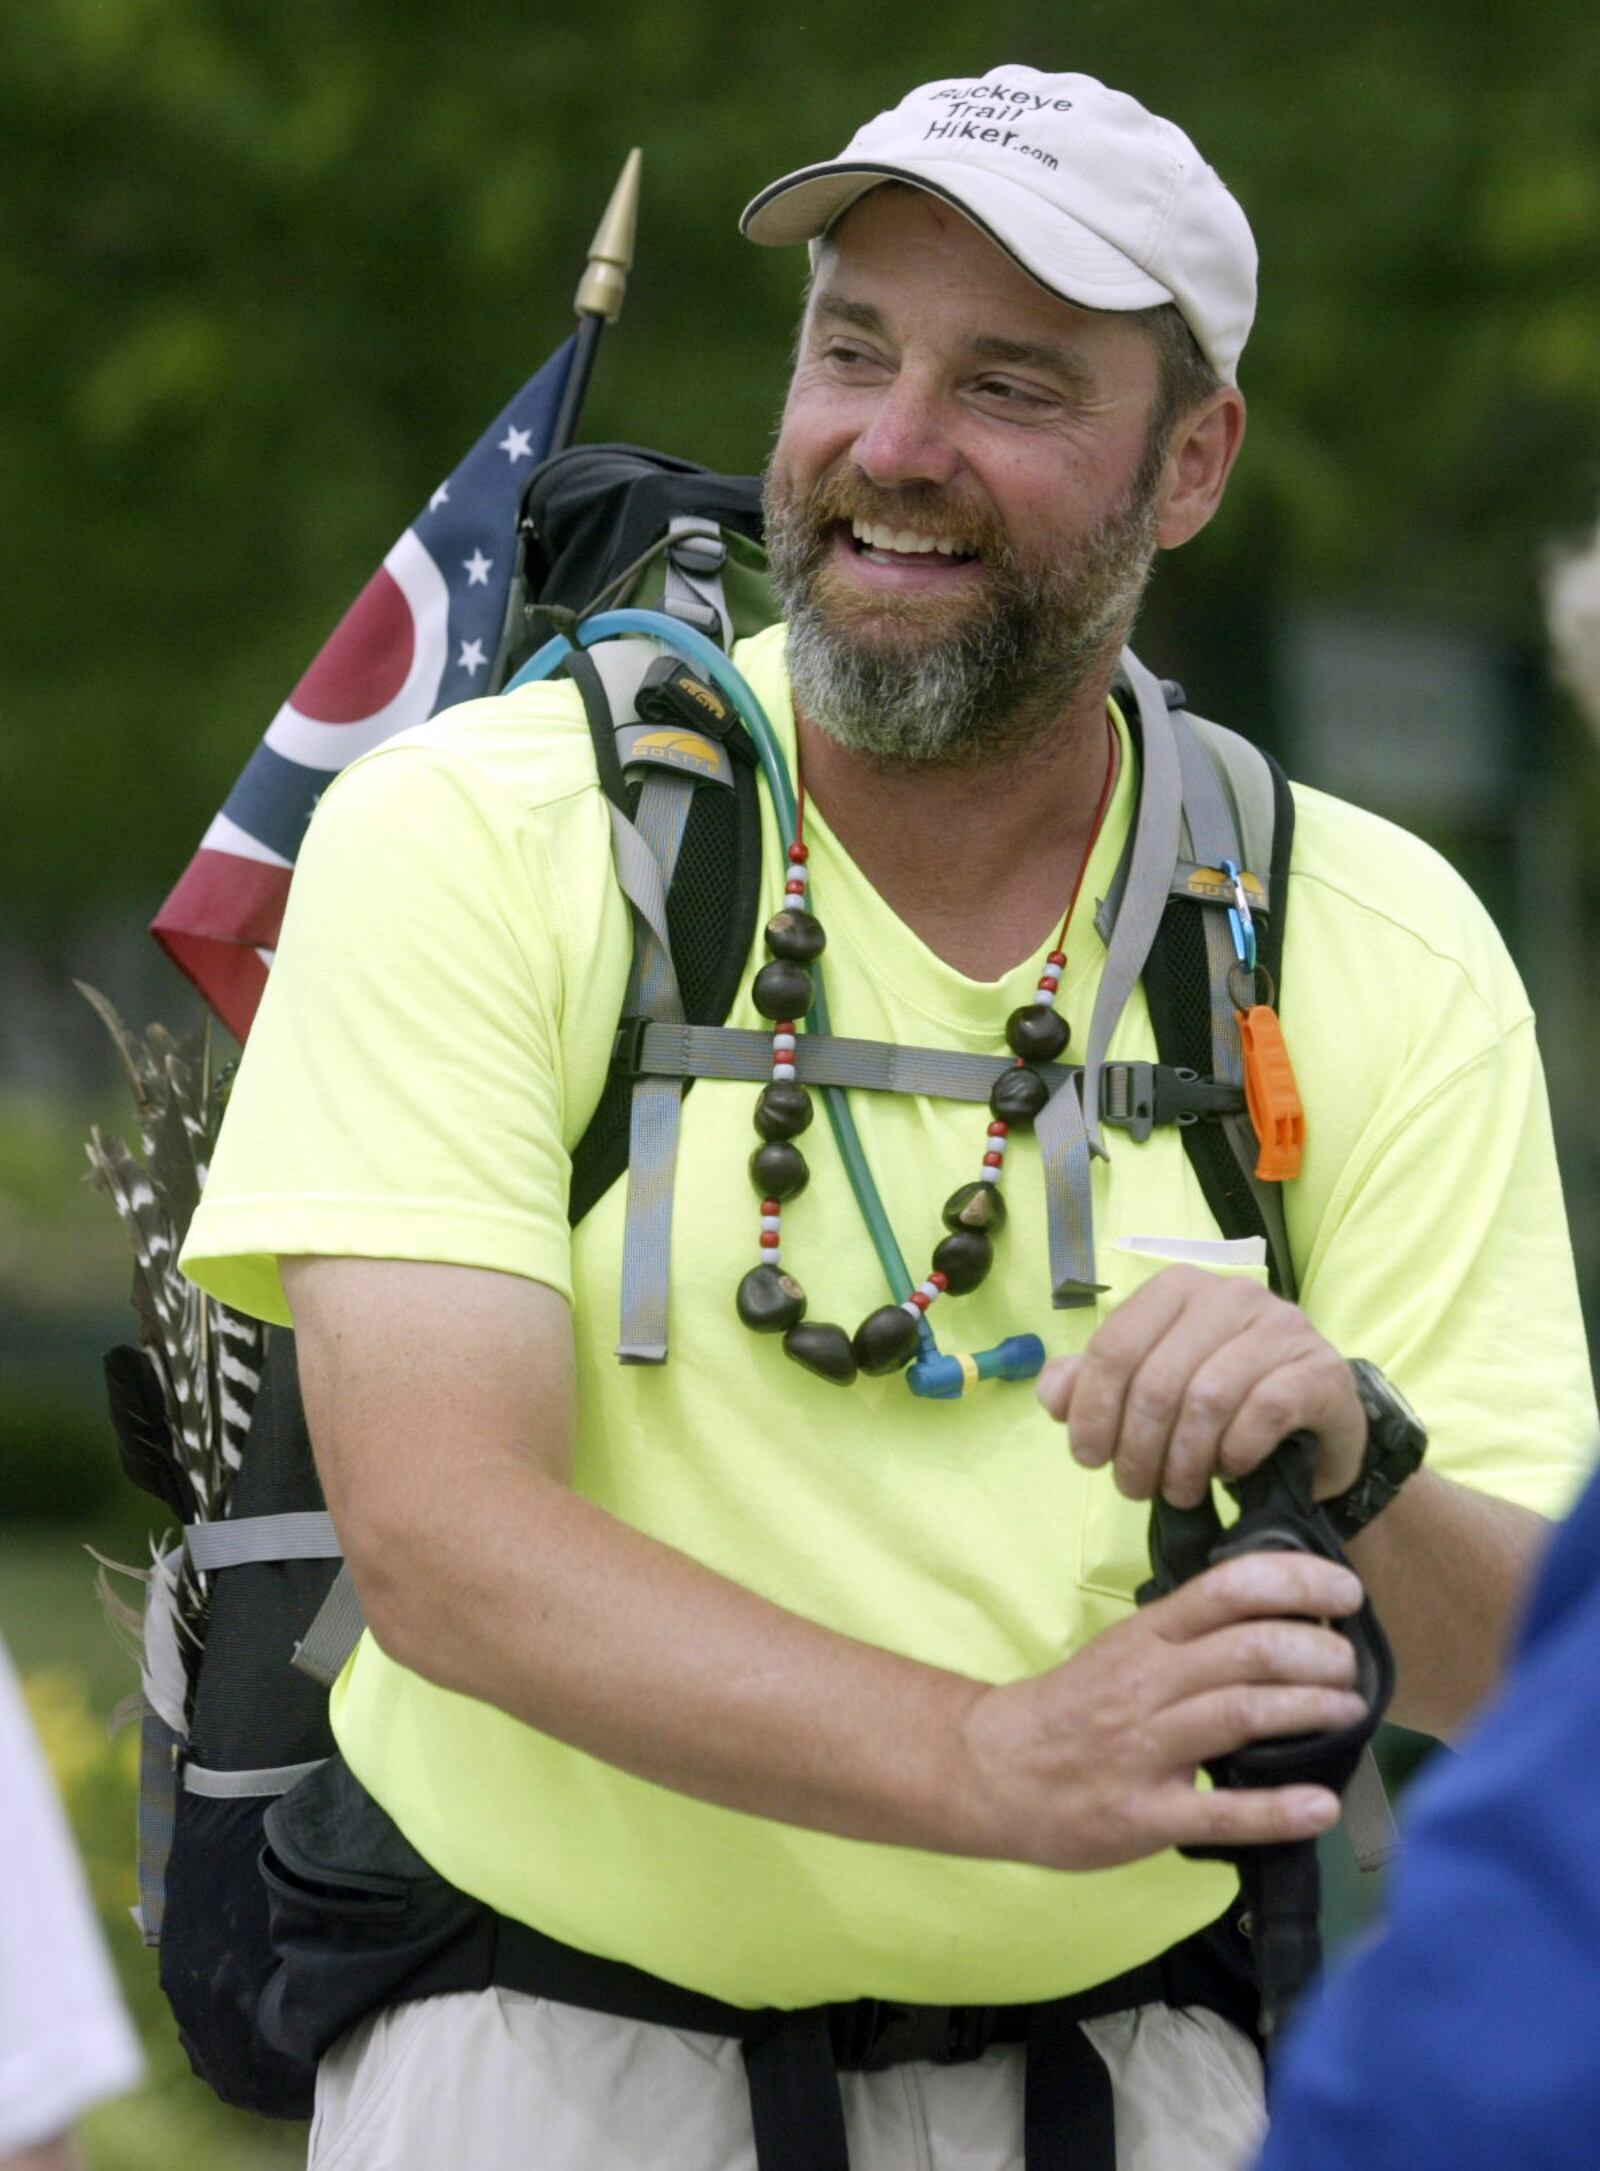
point(707, 657)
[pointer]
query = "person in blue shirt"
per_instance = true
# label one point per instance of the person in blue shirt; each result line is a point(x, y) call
point(1467, 2033)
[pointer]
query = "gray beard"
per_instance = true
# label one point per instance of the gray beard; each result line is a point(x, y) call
point(993, 684)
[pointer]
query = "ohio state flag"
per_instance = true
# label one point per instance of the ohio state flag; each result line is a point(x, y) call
point(420, 637)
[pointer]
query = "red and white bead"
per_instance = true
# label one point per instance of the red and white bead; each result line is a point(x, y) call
point(794, 889)
point(771, 1232)
point(926, 1293)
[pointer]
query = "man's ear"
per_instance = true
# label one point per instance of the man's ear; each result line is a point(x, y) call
point(1205, 444)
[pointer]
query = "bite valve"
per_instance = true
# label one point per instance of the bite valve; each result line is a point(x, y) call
point(947, 1379)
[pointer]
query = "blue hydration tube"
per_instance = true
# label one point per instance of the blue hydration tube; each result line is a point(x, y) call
point(941, 1377)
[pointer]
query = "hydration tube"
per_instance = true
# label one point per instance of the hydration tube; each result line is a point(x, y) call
point(933, 1374)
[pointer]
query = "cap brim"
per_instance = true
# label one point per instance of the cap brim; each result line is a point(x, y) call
point(1078, 266)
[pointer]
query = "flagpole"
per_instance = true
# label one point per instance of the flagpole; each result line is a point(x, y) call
point(598, 301)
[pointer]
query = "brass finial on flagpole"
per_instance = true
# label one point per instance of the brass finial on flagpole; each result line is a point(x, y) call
point(605, 280)
point(598, 301)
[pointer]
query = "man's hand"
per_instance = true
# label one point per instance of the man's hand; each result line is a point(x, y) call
point(1094, 1763)
point(1199, 1376)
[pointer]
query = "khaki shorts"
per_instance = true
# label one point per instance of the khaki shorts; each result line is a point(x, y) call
point(495, 2081)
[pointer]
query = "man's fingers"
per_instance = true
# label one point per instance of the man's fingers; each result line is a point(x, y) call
point(1312, 1390)
point(1239, 1401)
point(1167, 1400)
point(1264, 1651)
point(1245, 1816)
point(1225, 1719)
point(1106, 1366)
point(1256, 1584)
point(1199, 1376)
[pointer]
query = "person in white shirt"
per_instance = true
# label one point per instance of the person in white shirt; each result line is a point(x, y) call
point(66, 2042)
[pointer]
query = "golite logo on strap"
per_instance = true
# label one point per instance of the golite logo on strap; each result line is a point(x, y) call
point(1215, 885)
point(669, 746)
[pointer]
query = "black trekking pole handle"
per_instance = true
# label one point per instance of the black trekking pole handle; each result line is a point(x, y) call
point(1278, 1512)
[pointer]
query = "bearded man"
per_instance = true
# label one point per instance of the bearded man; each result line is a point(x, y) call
point(737, 1698)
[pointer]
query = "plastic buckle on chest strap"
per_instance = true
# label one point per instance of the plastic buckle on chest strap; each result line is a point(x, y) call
point(627, 1049)
point(1141, 1097)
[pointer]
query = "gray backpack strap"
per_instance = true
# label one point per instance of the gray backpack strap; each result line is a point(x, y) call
point(1222, 774)
point(670, 764)
point(1242, 772)
point(1151, 865)
point(231, 1786)
point(621, 665)
point(160, 1753)
point(334, 1632)
point(696, 554)
point(1063, 1135)
point(1368, 1819)
point(243, 1540)
point(645, 852)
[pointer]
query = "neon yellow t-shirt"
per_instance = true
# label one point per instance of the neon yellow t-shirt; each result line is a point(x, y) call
point(434, 1038)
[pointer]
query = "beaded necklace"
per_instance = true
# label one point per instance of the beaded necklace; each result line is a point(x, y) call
point(769, 1299)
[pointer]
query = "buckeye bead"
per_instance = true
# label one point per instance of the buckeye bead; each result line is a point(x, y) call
point(964, 1259)
point(975, 1206)
point(783, 1110)
point(1018, 1095)
point(770, 1301)
point(822, 1348)
point(796, 935)
point(778, 1170)
point(782, 990)
point(886, 1341)
point(1037, 1033)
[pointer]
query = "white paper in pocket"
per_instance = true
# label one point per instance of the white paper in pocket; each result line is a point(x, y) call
point(1198, 1250)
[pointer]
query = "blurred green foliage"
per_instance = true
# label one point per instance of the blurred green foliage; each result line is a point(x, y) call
point(268, 265)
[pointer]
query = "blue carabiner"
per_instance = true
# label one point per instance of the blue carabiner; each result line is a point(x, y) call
point(1240, 925)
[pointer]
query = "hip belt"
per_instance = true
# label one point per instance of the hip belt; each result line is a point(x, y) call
point(793, 2058)
point(360, 1921)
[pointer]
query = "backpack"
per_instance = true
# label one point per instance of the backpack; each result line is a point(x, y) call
point(615, 525)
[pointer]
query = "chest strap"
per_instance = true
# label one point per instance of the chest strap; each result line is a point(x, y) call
point(1135, 1097)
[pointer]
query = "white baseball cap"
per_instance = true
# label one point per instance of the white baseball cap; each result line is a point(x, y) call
point(1103, 203)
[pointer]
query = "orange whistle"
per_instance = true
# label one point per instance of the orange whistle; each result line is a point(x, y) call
point(1271, 1094)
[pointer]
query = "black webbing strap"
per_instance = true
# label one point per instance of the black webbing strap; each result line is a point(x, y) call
point(796, 2114)
point(580, 668)
point(1068, 2119)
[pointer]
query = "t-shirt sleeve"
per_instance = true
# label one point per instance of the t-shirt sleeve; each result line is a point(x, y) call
point(403, 1093)
point(66, 2042)
point(1444, 1257)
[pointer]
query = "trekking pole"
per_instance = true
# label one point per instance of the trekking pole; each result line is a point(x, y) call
point(1282, 1885)
point(598, 301)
